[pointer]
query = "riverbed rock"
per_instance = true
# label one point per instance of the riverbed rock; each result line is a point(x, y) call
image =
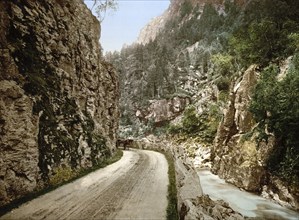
point(58, 98)
point(192, 203)
point(281, 193)
point(207, 209)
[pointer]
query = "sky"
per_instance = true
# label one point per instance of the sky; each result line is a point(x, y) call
point(122, 27)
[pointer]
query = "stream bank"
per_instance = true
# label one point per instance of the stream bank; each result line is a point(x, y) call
point(248, 204)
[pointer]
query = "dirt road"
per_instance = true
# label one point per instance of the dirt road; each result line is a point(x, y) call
point(133, 188)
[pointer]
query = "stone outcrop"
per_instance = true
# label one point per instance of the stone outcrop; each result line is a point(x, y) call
point(152, 29)
point(18, 138)
point(192, 203)
point(164, 109)
point(235, 157)
point(281, 193)
point(58, 98)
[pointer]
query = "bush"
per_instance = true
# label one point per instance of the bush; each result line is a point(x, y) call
point(191, 122)
point(62, 174)
point(223, 63)
point(267, 33)
point(186, 8)
point(203, 126)
point(223, 83)
point(275, 106)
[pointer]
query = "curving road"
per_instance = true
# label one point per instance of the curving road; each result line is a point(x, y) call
point(135, 187)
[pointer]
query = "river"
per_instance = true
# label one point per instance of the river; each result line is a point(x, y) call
point(248, 204)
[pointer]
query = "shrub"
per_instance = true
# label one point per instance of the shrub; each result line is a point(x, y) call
point(191, 122)
point(275, 105)
point(223, 83)
point(62, 174)
point(186, 8)
point(223, 63)
point(203, 126)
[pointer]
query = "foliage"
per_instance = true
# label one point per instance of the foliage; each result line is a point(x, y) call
point(275, 105)
point(223, 63)
point(294, 38)
point(223, 96)
point(191, 122)
point(102, 6)
point(157, 69)
point(186, 8)
point(194, 125)
point(62, 174)
point(264, 32)
point(223, 83)
point(172, 212)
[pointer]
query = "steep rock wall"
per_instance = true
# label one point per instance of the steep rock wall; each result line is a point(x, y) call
point(153, 28)
point(235, 159)
point(58, 98)
point(163, 110)
point(237, 155)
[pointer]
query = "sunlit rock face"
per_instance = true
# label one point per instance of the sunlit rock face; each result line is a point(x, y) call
point(163, 110)
point(237, 158)
point(152, 29)
point(58, 98)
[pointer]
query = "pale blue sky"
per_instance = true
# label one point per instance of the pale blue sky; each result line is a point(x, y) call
point(123, 25)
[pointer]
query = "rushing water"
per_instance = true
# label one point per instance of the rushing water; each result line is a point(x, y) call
point(248, 204)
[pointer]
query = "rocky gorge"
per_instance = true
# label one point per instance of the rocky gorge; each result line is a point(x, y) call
point(58, 97)
point(213, 82)
point(240, 78)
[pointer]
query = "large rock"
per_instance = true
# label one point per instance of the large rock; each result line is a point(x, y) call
point(164, 110)
point(58, 98)
point(192, 203)
point(237, 158)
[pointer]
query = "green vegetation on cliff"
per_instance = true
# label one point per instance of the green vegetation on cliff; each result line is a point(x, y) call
point(265, 33)
point(194, 125)
point(275, 106)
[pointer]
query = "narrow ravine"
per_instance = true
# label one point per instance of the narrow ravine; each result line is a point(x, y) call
point(248, 204)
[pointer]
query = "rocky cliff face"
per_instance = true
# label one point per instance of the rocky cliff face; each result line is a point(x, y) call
point(163, 110)
point(58, 99)
point(152, 29)
point(235, 158)
point(237, 155)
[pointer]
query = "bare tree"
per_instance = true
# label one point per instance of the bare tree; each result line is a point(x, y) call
point(102, 6)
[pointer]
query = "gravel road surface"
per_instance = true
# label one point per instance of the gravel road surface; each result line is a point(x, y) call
point(135, 187)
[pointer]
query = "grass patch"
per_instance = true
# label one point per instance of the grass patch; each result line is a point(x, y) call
point(171, 211)
point(117, 156)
